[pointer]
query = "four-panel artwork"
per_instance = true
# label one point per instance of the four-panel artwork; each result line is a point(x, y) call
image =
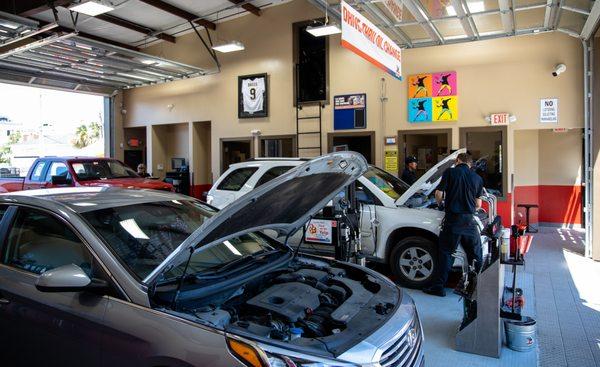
point(433, 97)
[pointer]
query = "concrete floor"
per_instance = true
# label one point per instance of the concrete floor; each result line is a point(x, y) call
point(562, 290)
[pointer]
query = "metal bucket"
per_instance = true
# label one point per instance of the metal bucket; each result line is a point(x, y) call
point(520, 335)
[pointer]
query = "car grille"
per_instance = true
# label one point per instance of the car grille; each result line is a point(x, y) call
point(400, 353)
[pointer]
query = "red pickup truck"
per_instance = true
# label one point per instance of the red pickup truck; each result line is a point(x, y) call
point(49, 172)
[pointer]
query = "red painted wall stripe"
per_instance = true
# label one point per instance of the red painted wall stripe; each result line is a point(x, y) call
point(557, 203)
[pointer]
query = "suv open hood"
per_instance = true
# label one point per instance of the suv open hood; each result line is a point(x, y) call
point(430, 179)
point(284, 204)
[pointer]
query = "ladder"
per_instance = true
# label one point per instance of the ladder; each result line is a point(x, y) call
point(301, 135)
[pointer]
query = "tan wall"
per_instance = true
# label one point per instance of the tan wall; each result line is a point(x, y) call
point(527, 160)
point(561, 157)
point(504, 75)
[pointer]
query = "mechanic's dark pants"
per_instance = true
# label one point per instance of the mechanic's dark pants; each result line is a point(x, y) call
point(457, 229)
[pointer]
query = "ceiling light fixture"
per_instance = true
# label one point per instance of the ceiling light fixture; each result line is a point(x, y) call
point(326, 29)
point(92, 7)
point(229, 47)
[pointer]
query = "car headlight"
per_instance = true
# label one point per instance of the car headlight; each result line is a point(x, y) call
point(209, 199)
point(254, 356)
point(275, 360)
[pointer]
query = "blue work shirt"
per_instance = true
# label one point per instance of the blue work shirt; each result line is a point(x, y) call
point(462, 187)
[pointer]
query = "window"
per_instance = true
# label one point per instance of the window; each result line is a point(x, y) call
point(3, 209)
point(101, 170)
point(57, 169)
point(271, 174)
point(142, 236)
point(236, 179)
point(310, 56)
point(36, 174)
point(38, 242)
point(365, 196)
point(392, 186)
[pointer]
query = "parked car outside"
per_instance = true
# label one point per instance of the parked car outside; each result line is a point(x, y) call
point(50, 172)
point(400, 223)
point(101, 276)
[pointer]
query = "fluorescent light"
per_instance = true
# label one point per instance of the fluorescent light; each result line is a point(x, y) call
point(231, 248)
point(229, 47)
point(92, 7)
point(324, 30)
point(131, 226)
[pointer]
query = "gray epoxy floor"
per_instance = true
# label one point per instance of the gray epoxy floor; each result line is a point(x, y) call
point(562, 290)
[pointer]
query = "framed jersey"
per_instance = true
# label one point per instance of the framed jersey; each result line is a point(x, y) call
point(253, 96)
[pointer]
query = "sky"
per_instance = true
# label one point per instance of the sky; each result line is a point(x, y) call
point(64, 110)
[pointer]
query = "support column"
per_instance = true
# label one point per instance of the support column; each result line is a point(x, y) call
point(593, 211)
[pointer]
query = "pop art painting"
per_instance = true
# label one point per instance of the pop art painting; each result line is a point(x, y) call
point(445, 108)
point(419, 86)
point(419, 110)
point(444, 84)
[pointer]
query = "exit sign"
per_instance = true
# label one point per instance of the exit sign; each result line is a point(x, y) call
point(499, 118)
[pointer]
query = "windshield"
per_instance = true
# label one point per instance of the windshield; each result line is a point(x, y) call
point(143, 235)
point(102, 170)
point(391, 185)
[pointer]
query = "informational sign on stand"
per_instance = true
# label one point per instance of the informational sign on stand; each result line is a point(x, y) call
point(363, 38)
point(320, 231)
point(549, 111)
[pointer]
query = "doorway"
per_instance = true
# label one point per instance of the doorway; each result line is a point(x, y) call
point(135, 149)
point(487, 146)
point(278, 146)
point(362, 142)
point(235, 150)
point(429, 147)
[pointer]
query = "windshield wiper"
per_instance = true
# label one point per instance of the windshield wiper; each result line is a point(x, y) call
point(237, 262)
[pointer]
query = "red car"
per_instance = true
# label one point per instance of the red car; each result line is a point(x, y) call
point(49, 172)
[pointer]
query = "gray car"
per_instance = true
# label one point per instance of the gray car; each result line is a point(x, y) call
point(116, 277)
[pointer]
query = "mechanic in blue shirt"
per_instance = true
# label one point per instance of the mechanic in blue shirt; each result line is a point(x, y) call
point(460, 189)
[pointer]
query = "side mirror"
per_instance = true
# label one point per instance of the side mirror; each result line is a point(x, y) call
point(61, 181)
point(66, 278)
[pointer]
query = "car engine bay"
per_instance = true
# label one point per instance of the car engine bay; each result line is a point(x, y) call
point(306, 300)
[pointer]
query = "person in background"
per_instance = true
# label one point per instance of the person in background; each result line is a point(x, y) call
point(409, 174)
point(141, 170)
point(461, 190)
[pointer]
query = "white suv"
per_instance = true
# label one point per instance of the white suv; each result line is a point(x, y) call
point(400, 224)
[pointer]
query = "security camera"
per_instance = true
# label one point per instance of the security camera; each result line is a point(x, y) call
point(559, 69)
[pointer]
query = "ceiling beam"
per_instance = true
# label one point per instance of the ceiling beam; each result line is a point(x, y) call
point(506, 16)
point(247, 6)
point(63, 29)
point(29, 8)
point(550, 14)
point(135, 27)
point(178, 12)
point(97, 38)
point(421, 16)
point(463, 18)
point(591, 24)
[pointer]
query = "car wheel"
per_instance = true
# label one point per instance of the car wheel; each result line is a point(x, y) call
point(414, 262)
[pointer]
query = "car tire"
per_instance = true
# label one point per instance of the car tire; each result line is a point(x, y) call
point(414, 261)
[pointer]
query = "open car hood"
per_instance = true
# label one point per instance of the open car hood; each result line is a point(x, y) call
point(283, 204)
point(430, 179)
